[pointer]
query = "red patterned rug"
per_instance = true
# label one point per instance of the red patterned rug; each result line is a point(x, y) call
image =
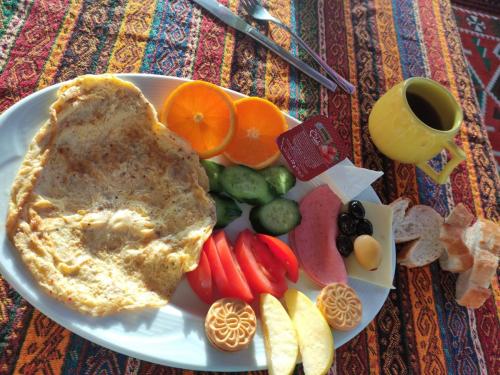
point(480, 34)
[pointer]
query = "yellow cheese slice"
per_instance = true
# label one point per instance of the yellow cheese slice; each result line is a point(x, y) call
point(381, 218)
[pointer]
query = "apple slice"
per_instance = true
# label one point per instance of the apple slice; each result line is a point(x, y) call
point(314, 335)
point(280, 339)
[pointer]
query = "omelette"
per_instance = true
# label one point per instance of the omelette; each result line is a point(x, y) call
point(109, 207)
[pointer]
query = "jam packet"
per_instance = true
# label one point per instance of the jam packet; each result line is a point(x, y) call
point(312, 147)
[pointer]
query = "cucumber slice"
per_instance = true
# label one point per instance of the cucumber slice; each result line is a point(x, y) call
point(276, 218)
point(246, 185)
point(280, 179)
point(227, 210)
point(213, 170)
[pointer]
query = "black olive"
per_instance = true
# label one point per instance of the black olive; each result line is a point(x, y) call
point(356, 209)
point(344, 245)
point(364, 227)
point(347, 224)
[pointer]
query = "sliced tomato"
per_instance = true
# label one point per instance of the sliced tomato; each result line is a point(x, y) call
point(238, 286)
point(259, 281)
point(269, 264)
point(282, 252)
point(200, 280)
point(218, 272)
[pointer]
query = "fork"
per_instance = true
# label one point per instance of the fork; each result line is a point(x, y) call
point(255, 9)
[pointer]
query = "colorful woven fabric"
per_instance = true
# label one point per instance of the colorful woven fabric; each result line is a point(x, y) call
point(480, 35)
point(490, 7)
point(375, 44)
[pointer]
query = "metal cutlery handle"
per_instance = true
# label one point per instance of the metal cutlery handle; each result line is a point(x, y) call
point(292, 60)
point(341, 81)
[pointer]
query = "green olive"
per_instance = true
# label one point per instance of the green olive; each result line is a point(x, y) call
point(368, 252)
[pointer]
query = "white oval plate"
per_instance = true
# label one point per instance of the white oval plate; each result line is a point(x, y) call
point(173, 335)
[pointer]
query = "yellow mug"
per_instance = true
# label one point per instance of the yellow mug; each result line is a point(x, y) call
point(414, 121)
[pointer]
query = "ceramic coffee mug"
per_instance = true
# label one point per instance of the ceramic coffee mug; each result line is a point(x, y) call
point(414, 121)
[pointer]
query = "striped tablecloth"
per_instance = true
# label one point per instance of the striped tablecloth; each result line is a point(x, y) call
point(375, 44)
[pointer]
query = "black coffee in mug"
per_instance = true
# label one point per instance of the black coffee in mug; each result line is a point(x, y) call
point(425, 111)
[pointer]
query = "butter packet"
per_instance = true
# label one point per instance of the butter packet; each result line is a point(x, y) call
point(346, 180)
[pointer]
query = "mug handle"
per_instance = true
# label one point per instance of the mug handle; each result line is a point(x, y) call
point(457, 156)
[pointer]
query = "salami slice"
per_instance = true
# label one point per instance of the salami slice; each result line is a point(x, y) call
point(314, 239)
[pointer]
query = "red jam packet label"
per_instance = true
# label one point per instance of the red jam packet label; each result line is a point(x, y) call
point(312, 147)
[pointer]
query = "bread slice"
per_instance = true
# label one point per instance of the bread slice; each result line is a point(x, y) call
point(457, 257)
point(484, 234)
point(472, 288)
point(425, 222)
point(403, 231)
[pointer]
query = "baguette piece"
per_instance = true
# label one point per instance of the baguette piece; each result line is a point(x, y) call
point(457, 257)
point(471, 296)
point(472, 288)
point(484, 268)
point(485, 235)
point(460, 216)
point(425, 222)
point(403, 231)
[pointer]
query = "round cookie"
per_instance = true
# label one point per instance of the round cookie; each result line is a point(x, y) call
point(230, 324)
point(340, 305)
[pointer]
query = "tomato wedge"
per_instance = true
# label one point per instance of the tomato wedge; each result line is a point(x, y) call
point(267, 261)
point(238, 286)
point(218, 272)
point(259, 281)
point(200, 280)
point(282, 252)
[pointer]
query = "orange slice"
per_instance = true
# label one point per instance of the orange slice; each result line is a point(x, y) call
point(254, 142)
point(201, 113)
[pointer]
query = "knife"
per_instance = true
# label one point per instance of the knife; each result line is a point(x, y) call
point(229, 18)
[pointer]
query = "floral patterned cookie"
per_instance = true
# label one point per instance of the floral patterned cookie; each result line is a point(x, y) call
point(230, 324)
point(340, 305)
